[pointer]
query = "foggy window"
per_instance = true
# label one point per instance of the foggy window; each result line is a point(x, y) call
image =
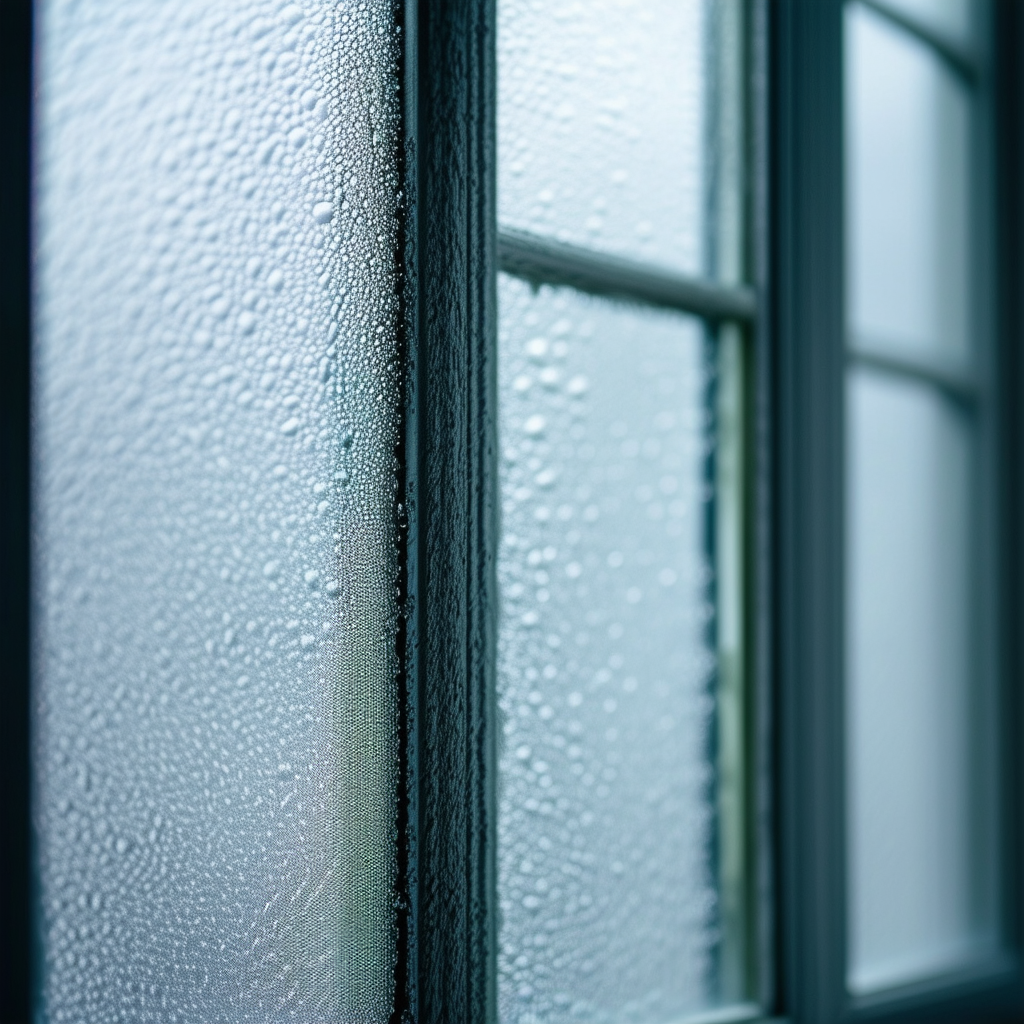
point(510, 511)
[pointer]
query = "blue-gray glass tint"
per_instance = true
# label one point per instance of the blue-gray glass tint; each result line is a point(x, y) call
point(617, 121)
point(921, 823)
point(609, 831)
point(920, 866)
point(215, 401)
point(908, 195)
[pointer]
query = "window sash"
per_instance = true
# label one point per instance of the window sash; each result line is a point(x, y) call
point(450, 258)
point(811, 356)
point(541, 260)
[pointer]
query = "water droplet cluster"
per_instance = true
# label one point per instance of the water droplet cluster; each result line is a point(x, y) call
point(216, 417)
point(602, 124)
point(606, 662)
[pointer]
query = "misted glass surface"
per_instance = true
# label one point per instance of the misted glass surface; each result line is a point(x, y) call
point(215, 422)
point(617, 875)
point(615, 118)
point(908, 194)
point(921, 873)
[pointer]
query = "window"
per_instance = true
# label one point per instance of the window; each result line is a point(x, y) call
point(524, 511)
point(624, 317)
point(923, 878)
point(217, 393)
point(878, 658)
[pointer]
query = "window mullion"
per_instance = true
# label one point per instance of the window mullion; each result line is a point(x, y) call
point(961, 385)
point(806, 288)
point(544, 261)
point(452, 514)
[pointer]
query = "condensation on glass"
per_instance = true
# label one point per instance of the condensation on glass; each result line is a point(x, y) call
point(604, 138)
point(215, 423)
point(611, 888)
point(622, 868)
point(920, 847)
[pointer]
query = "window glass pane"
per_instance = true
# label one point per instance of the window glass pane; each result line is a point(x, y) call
point(952, 18)
point(214, 481)
point(620, 877)
point(919, 847)
point(617, 119)
point(908, 187)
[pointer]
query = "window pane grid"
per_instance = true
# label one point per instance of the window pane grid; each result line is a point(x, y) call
point(623, 419)
point(950, 376)
point(919, 852)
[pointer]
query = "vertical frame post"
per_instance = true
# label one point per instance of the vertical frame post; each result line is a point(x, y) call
point(1008, 115)
point(807, 328)
point(15, 337)
point(452, 505)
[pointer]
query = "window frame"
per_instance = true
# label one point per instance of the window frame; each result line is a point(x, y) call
point(449, 514)
point(448, 491)
point(453, 253)
point(16, 913)
point(968, 387)
point(741, 306)
point(797, 478)
point(809, 326)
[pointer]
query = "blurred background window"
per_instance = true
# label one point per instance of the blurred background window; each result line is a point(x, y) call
point(216, 410)
point(923, 881)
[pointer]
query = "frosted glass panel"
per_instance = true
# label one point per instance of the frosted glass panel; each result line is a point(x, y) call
point(619, 126)
point(214, 481)
point(607, 877)
point(908, 191)
point(919, 840)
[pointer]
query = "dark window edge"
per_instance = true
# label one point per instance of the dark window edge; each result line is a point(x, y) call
point(16, 900)
point(452, 507)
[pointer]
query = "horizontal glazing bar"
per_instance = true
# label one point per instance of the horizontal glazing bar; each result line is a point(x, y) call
point(959, 384)
point(545, 262)
point(961, 59)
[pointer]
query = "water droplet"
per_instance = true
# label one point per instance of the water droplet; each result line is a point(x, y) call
point(537, 348)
